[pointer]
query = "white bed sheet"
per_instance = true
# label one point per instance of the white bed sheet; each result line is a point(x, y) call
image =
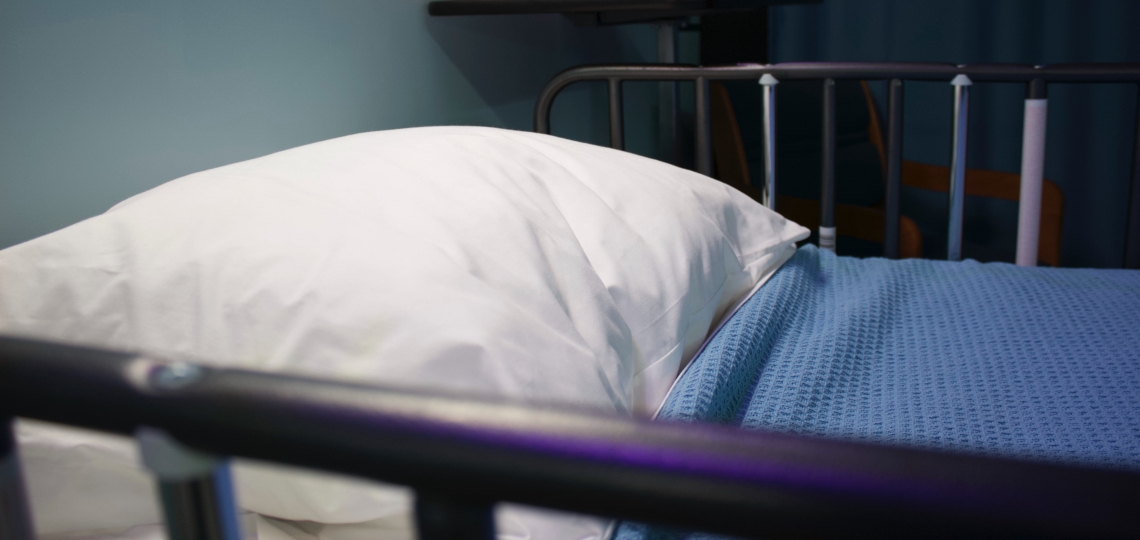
point(92, 499)
point(536, 523)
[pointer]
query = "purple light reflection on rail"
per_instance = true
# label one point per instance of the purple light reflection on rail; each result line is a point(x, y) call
point(646, 455)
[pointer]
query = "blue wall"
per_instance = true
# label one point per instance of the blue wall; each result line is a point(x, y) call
point(102, 99)
point(1090, 132)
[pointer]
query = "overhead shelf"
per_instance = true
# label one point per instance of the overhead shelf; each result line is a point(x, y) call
point(602, 12)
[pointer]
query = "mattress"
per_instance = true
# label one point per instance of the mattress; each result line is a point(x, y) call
point(992, 359)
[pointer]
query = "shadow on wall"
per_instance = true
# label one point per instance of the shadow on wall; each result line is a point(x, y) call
point(517, 54)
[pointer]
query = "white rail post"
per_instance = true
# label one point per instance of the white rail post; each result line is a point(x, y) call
point(1032, 173)
point(961, 84)
point(769, 83)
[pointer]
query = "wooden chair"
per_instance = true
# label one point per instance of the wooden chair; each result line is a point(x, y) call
point(851, 221)
point(867, 223)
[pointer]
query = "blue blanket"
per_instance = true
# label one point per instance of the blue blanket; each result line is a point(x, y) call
point(1035, 363)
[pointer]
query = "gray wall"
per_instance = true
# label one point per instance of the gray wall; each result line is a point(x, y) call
point(103, 99)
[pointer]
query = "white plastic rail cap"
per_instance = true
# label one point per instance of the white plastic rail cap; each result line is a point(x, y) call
point(170, 460)
point(768, 80)
point(961, 80)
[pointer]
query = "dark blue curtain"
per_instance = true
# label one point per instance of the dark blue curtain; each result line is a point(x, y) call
point(1091, 128)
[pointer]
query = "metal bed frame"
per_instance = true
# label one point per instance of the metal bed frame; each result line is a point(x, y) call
point(462, 455)
point(960, 77)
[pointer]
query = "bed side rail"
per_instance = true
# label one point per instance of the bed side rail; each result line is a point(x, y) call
point(960, 78)
point(462, 455)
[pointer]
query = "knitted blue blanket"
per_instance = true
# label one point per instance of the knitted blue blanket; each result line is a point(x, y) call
point(1034, 363)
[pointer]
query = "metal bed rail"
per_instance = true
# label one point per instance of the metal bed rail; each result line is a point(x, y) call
point(960, 78)
point(462, 455)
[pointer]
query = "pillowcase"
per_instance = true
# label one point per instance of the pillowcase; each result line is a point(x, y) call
point(459, 258)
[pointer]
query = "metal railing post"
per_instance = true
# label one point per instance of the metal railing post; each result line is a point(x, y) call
point(894, 168)
point(827, 187)
point(961, 84)
point(769, 83)
point(15, 513)
point(668, 122)
point(1032, 173)
point(441, 517)
point(1132, 233)
point(617, 125)
point(196, 489)
point(703, 120)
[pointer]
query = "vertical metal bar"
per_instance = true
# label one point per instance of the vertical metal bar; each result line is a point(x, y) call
point(194, 509)
point(668, 121)
point(961, 84)
point(894, 168)
point(769, 83)
point(196, 489)
point(15, 513)
point(617, 128)
point(704, 128)
point(1032, 173)
point(827, 187)
point(1132, 234)
point(439, 517)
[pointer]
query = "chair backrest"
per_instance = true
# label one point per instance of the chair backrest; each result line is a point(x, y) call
point(980, 183)
point(998, 185)
point(731, 161)
point(867, 223)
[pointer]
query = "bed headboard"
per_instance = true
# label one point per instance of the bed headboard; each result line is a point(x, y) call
point(959, 78)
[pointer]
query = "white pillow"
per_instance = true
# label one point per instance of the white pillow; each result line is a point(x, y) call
point(463, 258)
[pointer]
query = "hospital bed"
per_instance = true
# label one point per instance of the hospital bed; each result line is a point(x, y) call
point(791, 362)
